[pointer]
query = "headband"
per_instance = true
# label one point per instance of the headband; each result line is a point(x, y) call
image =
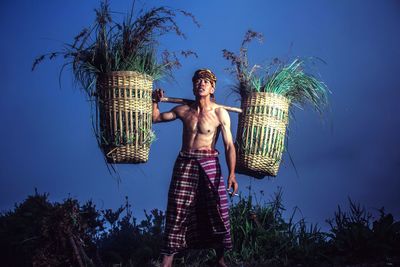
point(204, 74)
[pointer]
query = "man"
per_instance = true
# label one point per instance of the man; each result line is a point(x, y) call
point(197, 211)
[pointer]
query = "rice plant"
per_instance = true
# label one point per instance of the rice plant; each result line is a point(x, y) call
point(289, 80)
point(267, 95)
point(130, 45)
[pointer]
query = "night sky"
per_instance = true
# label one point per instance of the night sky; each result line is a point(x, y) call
point(47, 142)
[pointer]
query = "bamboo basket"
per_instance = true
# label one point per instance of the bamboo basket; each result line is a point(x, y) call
point(261, 134)
point(125, 116)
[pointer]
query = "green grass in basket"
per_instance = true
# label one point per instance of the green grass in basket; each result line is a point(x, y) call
point(289, 80)
point(256, 145)
point(108, 45)
point(122, 138)
point(128, 46)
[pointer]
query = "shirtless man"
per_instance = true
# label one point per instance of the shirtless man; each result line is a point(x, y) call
point(197, 211)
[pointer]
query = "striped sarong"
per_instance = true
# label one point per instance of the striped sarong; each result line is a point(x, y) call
point(197, 211)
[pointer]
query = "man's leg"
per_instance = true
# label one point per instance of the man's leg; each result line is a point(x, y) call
point(167, 261)
point(181, 197)
point(220, 257)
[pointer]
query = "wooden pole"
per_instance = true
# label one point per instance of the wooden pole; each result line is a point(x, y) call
point(189, 101)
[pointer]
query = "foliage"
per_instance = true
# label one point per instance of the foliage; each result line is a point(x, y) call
point(289, 80)
point(262, 235)
point(131, 45)
point(40, 233)
point(129, 243)
point(355, 237)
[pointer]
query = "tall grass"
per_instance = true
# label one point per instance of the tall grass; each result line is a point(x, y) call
point(262, 235)
point(130, 45)
point(289, 80)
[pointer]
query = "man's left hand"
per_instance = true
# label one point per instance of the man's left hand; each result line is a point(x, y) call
point(232, 184)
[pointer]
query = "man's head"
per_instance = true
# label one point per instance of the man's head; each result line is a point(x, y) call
point(205, 75)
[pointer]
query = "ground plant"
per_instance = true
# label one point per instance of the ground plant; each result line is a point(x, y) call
point(39, 232)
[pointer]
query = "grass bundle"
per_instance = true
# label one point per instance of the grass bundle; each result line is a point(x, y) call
point(289, 80)
point(292, 82)
point(108, 46)
point(116, 64)
point(266, 96)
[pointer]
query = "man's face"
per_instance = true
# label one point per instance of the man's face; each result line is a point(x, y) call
point(203, 87)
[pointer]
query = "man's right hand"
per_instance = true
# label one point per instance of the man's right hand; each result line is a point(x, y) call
point(157, 116)
point(157, 95)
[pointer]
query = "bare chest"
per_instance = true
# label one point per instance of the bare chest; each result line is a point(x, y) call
point(202, 123)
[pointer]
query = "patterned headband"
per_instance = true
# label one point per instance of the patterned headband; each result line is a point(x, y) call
point(204, 74)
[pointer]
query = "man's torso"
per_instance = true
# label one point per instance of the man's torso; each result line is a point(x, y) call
point(200, 128)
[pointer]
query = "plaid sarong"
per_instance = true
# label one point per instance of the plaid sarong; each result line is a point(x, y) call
point(197, 212)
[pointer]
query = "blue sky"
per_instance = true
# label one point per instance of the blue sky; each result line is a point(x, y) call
point(353, 151)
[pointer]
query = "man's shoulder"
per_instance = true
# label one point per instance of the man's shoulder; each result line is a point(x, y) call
point(220, 110)
point(180, 109)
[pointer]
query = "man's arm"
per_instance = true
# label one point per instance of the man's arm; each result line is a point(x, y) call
point(230, 153)
point(157, 116)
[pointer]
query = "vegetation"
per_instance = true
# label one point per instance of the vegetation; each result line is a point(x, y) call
point(38, 232)
point(130, 45)
point(260, 139)
point(289, 80)
point(108, 45)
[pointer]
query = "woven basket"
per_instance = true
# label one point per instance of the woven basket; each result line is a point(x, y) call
point(261, 134)
point(125, 116)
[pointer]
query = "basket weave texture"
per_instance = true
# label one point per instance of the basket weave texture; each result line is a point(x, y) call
point(125, 109)
point(261, 134)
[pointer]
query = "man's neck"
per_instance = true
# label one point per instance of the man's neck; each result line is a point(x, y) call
point(203, 103)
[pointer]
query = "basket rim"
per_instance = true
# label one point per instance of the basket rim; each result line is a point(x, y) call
point(127, 73)
point(267, 93)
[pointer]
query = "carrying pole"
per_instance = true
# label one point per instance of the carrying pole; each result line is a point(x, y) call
point(189, 101)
